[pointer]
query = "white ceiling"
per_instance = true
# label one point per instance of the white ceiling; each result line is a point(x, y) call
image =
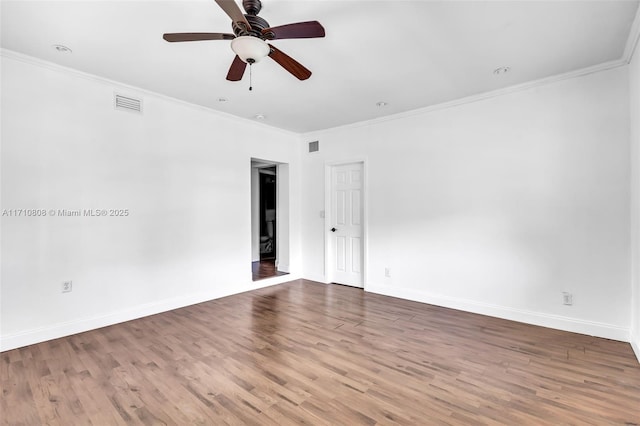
point(410, 54)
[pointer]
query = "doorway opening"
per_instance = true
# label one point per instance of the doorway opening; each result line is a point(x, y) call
point(267, 189)
point(269, 219)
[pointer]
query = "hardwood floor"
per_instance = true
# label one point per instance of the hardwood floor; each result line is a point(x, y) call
point(265, 269)
point(309, 353)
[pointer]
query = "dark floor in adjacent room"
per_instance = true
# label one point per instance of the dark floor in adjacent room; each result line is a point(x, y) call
point(265, 269)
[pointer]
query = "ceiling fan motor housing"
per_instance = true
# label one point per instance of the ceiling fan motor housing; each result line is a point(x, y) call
point(257, 25)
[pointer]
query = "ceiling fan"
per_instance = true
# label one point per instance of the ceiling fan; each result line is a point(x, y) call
point(250, 35)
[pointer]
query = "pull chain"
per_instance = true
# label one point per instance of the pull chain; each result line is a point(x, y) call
point(250, 61)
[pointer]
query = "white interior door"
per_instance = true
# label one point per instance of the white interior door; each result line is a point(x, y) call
point(345, 233)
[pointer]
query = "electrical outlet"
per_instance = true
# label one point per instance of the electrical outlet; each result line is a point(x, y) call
point(67, 286)
point(387, 272)
point(567, 298)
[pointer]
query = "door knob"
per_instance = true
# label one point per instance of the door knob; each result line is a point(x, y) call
point(333, 229)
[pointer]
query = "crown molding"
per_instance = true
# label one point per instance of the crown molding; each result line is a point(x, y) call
point(11, 54)
point(479, 97)
point(632, 40)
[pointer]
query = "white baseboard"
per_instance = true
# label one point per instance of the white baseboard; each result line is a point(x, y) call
point(316, 278)
point(55, 331)
point(558, 322)
point(283, 267)
point(635, 343)
point(636, 348)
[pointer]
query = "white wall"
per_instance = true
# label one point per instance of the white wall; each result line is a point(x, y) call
point(181, 171)
point(634, 90)
point(496, 206)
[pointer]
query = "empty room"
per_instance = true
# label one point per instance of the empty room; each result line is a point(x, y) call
point(320, 212)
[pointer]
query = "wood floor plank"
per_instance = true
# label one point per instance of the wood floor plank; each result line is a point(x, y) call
point(309, 353)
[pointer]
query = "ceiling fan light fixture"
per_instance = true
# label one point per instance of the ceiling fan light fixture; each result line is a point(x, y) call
point(250, 49)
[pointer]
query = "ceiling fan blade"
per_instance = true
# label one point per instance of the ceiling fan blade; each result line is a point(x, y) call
point(231, 8)
point(236, 71)
point(173, 37)
point(289, 64)
point(310, 29)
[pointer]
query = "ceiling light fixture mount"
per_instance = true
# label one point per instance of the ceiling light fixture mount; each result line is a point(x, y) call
point(501, 70)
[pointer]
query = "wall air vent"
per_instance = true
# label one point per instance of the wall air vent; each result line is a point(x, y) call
point(127, 103)
point(314, 146)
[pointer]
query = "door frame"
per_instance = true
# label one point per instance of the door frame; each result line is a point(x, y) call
point(328, 250)
point(262, 172)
